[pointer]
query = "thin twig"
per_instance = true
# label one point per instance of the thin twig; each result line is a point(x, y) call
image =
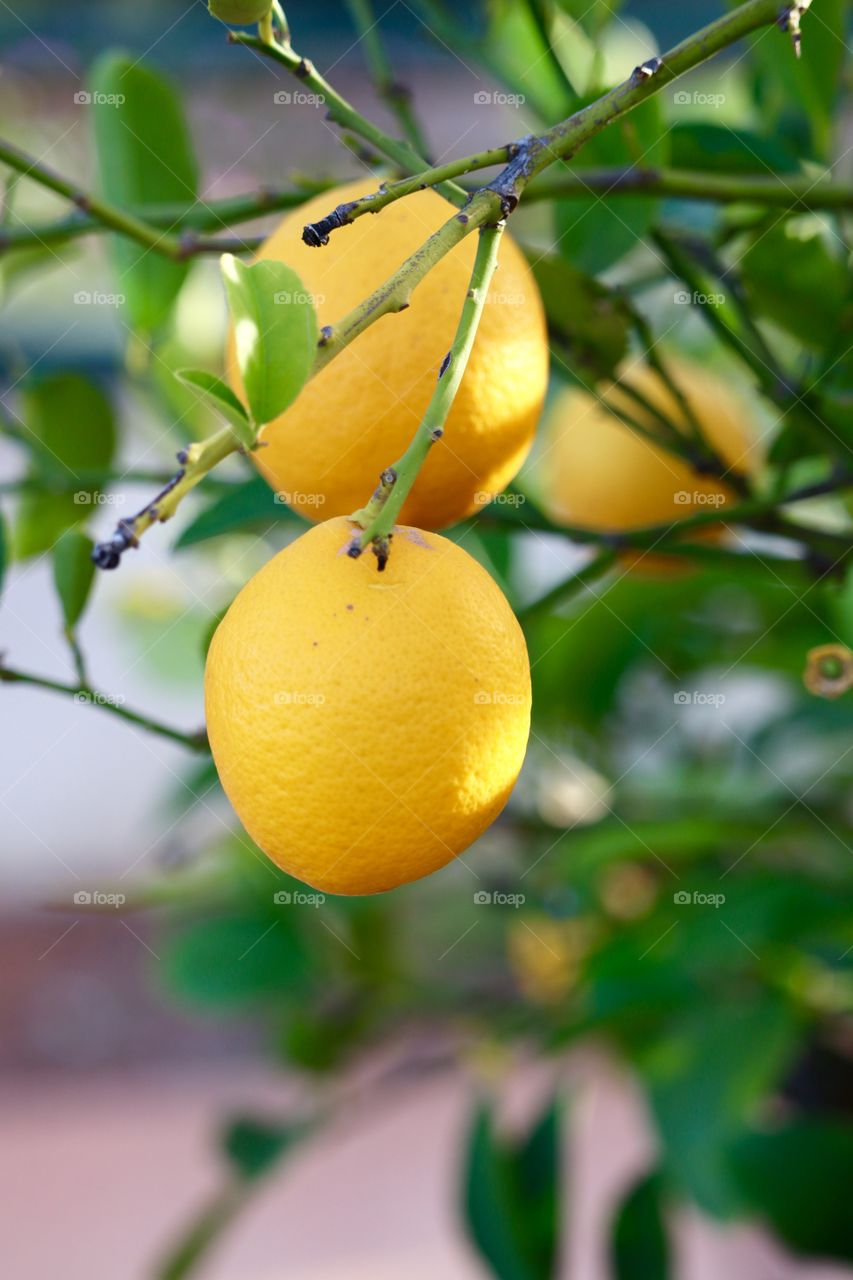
point(396, 95)
point(83, 692)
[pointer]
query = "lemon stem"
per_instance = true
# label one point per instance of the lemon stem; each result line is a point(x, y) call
point(378, 518)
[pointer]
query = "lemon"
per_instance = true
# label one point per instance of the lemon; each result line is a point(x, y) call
point(599, 473)
point(367, 727)
point(356, 417)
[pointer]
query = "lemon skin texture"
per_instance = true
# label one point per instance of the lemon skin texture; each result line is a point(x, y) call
point(356, 417)
point(598, 473)
point(367, 727)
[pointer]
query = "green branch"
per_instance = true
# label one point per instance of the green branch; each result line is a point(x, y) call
point(83, 692)
point(340, 111)
point(798, 192)
point(378, 517)
point(397, 96)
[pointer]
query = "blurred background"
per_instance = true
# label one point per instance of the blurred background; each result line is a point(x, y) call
point(657, 933)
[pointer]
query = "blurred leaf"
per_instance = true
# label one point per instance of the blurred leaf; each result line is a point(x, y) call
point(639, 1247)
point(797, 96)
point(145, 157)
point(511, 1196)
point(593, 233)
point(589, 318)
point(224, 400)
point(4, 549)
point(796, 1178)
point(70, 423)
point(716, 148)
point(234, 960)
point(795, 281)
point(593, 15)
point(275, 332)
point(516, 47)
point(253, 1146)
point(73, 574)
point(705, 1074)
point(247, 506)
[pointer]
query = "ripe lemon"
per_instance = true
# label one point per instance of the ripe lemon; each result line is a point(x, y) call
point(367, 727)
point(599, 473)
point(356, 417)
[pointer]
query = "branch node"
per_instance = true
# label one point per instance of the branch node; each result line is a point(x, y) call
point(646, 70)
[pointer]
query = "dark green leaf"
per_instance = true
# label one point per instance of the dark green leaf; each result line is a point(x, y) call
point(593, 15)
point(224, 399)
point(275, 333)
point(797, 1178)
point(251, 505)
point(590, 319)
point(145, 157)
point(69, 423)
point(594, 233)
point(233, 960)
point(511, 1193)
point(795, 281)
point(253, 1146)
point(73, 573)
point(639, 1246)
point(715, 148)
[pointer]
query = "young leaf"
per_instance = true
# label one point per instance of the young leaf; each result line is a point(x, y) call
point(145, 157)
point(252, 505)
point(73, 571)
point(69, 424)
point(224, 399)
point(639, 1245)
point(253, 1146)
point(275, 333)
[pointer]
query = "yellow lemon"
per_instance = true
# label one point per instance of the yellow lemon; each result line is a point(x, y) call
point(368, 727)
point(355, 418)
point(599, 473)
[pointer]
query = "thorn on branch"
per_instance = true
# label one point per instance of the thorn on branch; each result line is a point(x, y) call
point(445, 365)
point(646, 70)
point(381, 548)
point(790, 19)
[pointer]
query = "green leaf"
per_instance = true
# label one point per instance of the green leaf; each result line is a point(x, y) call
point(69, 424)
point(145, 157)
point(253, 1146)
point(705, 1075)
point(233, 960)
point(73, 573)
point(275, 331)
point(594, 233)
point(713, 148)
point(791, 278)
point(590, 319)
point(511, 1195)
point(226, 402)
point(593, 15)
point(4, 549)
point(796, 1178)
point(639, 1245)
point(251, 505)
